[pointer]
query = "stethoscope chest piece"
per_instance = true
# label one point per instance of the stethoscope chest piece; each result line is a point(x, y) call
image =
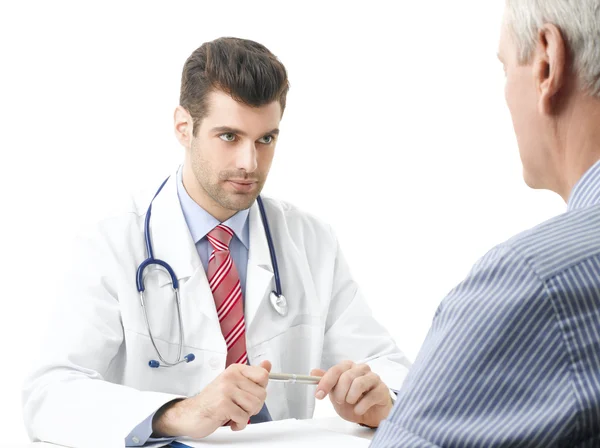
point(279, 303)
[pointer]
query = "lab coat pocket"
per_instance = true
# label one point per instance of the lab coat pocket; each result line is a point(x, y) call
point(160, 306)
point(183, 379)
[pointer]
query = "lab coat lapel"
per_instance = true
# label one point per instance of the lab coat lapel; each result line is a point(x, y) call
point(171, 237)
point(259, 277)
point(173, 244)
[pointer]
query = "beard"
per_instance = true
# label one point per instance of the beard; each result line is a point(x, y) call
point(215, 184)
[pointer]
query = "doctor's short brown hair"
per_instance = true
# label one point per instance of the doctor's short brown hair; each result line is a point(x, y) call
point(245, 70)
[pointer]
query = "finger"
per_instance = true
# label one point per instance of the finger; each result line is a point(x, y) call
point(317, 372)
point(361, 385)
point(238, 426)
point(256, 374)
point(238, 417)
point(341, 389)
point(331, 377)
point(266, 365)
point(234, 426)
point(378, 396)
point(248, 402)
point(253, 389)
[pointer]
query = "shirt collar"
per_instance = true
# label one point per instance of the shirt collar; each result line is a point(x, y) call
point(200, 222)
point(586, 191)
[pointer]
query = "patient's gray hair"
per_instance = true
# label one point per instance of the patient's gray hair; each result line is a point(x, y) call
point(579, 22)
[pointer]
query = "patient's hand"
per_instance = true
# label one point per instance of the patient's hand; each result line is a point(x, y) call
point(358, 395)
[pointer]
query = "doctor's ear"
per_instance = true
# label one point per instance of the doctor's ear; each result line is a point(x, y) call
point(184, 126)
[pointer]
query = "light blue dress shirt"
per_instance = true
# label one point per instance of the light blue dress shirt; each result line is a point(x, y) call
point(200, 223)
point(513, 355)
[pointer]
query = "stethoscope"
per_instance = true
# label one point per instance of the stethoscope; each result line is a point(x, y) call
point(278, 301)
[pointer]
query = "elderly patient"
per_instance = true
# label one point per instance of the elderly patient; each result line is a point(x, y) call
point(513, 354)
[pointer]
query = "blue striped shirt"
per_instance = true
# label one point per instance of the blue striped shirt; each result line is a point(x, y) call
point(513, 354)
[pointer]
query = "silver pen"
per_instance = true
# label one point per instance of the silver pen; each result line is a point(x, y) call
point(293, 378)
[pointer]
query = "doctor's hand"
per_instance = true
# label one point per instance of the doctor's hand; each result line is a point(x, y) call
point(234, 396)
point(357, 394)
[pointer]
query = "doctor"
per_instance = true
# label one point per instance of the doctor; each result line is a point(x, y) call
point(143, 350)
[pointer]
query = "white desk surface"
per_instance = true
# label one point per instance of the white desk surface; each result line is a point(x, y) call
point(335, 424)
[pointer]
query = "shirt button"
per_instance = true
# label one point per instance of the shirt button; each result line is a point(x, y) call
point(135, 440)
point(214, 363)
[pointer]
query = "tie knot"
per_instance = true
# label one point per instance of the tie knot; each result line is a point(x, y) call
point(220, 237)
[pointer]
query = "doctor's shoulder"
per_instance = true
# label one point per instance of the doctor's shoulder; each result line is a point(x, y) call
point(120, 226)
point(303, 227)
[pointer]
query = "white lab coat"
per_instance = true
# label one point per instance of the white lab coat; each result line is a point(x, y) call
point(93, 386)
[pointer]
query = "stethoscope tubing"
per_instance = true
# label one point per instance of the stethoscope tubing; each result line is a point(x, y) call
point(263, 216)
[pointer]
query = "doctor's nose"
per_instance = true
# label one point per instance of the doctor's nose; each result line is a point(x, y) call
point(247, 158)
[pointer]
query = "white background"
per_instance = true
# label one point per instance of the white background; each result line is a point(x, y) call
point(396, 133)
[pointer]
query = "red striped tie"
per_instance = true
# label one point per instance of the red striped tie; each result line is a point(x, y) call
point(227, 291)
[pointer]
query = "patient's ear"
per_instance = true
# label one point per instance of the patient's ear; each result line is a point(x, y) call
point(549, 66)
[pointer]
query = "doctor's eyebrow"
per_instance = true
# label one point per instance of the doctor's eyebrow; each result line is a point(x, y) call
point(228, 130)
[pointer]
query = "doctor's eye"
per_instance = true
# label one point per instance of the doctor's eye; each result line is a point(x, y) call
point(228, 137)
point(267, 139)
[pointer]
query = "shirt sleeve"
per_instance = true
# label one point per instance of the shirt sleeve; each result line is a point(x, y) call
point(140, 435)
point(493, 370)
